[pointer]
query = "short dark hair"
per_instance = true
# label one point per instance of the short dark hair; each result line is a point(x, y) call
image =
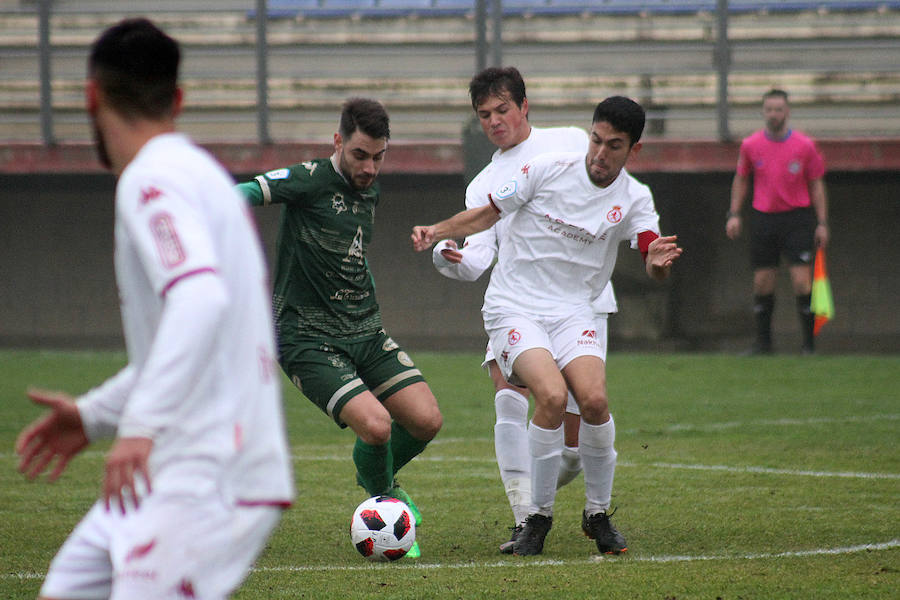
point(135, 64)
point(495, 81)
point(368, 116)
point(624, 114)
point(775, 93)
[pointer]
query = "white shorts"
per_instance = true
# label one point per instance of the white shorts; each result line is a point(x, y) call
point(600, 320)
point(172, 547)
point(566, 338)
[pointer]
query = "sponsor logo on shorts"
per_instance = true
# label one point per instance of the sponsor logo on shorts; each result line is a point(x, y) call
point(507, 189)
point(337, 362)
point(615, 215)
point(404, 359)
point(513, 337)
point(591, 333)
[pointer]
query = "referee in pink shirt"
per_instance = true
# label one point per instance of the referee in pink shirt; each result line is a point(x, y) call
point(788, 216)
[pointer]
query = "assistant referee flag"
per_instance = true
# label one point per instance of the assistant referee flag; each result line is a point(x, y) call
point(821, 303)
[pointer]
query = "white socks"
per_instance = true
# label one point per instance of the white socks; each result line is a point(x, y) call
point(570, 467)
point(598, 458)
point(546, 456)
point(511, 448)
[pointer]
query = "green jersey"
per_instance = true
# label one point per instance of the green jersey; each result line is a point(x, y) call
point(323, 286)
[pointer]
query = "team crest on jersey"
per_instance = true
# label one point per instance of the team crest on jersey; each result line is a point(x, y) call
point(513, 337)
point(338, 204)
point(278, 174)
point(615, 215)
point(507, 189)
point(389, 345)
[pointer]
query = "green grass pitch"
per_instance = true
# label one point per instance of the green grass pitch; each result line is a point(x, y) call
point(770, 477)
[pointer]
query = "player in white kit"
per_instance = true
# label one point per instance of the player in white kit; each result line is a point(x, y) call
point(499, 100)
point(199, 472)
point(567, 215)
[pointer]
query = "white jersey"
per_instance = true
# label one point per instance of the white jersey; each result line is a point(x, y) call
point(563, 235)
point(206, 390)
point(481, 249)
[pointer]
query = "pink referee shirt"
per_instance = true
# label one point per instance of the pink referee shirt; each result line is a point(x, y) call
point(782, 170)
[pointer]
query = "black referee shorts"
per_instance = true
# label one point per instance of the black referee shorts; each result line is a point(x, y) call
point(790, 233)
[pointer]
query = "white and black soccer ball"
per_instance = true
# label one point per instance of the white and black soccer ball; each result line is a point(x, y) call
point(383, 529)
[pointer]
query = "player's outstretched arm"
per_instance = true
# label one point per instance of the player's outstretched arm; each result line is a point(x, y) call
point(56, 436)
point(459, 225)
point(661, 253)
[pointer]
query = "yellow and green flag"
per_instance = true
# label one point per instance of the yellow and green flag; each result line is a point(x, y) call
point(821, 303)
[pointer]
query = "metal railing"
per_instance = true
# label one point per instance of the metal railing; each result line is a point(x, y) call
point(283, 76)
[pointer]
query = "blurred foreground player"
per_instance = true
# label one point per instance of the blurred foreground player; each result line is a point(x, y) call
point(199, 472)
point(331, 343)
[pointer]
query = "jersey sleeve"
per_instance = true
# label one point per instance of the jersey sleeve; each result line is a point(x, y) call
point(643, 217)
point(288, 185)
point(519, 190)
point(815, 167)
point(479, 253)
point(744, 163)
point(165, 230)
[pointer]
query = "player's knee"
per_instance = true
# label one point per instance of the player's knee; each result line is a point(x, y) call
point(595, 407)
point(374, 430)
point(552, 400)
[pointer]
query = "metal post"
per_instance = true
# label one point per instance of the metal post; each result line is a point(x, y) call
point(480, 35)
point(497, 26)
point(722, 61)
point(46, 90)
point(262, 73)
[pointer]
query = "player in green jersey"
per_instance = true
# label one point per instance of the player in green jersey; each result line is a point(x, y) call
point(330, 338)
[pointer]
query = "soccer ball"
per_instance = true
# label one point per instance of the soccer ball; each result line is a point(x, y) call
point(383, 529)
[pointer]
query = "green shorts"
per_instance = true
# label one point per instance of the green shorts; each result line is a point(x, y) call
point(331, 372)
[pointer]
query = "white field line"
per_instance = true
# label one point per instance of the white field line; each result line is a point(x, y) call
point(895, 543)
point(91, 454)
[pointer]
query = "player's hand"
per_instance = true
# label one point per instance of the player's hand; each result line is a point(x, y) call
point(733, 227)
point(56, 436)
point(127, 460)
point(451, 252)
point(422, 237)
point(661, 253)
